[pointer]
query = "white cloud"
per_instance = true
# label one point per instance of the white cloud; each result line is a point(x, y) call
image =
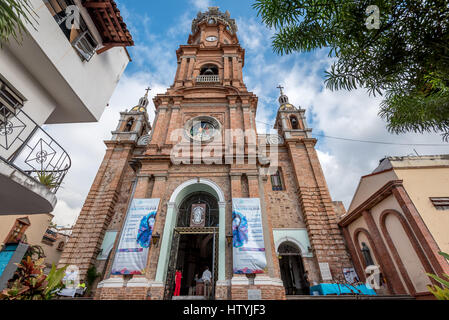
point(201, 4)
point(84, 143)
point(342, 114)
point(69, 216)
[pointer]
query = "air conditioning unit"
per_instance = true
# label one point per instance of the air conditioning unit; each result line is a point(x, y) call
point(85, 45)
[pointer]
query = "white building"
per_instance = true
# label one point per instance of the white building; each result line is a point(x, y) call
point(64, 71)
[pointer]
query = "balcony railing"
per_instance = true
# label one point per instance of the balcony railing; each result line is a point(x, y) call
point(27, 147)
point(210, 78)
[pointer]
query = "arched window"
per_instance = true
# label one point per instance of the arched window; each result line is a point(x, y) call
point(61, 246)
point(211, 214)
point(129, 125)
point(209, 70)
point(288, 247)
point(276, 181)
point(294, 122)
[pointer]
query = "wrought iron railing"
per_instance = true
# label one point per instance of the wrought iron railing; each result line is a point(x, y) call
point(210, 78)
point(29, 148)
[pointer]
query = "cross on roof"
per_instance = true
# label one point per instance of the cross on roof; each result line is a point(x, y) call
point(147, 89)
point(280, 88)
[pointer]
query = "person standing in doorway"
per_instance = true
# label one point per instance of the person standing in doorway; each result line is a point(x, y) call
point(178, 276)
point(307, 283)
point(207, 277)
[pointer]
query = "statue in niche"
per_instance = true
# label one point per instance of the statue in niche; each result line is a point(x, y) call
point(367, 255)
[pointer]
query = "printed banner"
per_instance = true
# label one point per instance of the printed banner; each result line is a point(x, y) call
point(247, 231)
point(132, 252)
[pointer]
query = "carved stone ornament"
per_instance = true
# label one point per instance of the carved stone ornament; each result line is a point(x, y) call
point(275, 139)
point(143, 140)
point(212, 16)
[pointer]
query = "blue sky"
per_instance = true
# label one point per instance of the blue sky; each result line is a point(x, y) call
point(159, 27)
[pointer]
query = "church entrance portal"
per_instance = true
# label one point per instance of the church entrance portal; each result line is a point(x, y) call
point(292, 270)
point(194, 247)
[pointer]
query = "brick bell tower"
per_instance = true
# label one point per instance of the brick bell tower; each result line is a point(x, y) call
point(317, 213)
point(188, 158)
point(107, 196)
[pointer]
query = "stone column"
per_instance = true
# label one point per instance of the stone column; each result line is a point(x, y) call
point(173, 125)
point(190, 68)
point(222, 285)
point(226, 75)
point(142, 187)
point(160, 126)
point(235, 72)
point(236, 185)
point(154, 255)
point(182, 70)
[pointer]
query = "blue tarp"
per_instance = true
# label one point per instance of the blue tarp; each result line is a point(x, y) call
point(334, 288)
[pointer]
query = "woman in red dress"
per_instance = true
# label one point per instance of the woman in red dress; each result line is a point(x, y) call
point(178, 276)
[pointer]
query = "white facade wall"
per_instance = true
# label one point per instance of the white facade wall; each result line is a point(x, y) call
point(68, 89)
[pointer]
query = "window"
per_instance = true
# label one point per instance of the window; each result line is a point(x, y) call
point(294, 122)
point(9, 102)
point(276, 181)
point(17, 232)
point(60, 246)
point(440, 203)
point(107, 244)
point(66, 14)
point(129, 125)
point(209, 70)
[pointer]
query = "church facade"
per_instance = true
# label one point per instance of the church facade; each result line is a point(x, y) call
point(200, 155)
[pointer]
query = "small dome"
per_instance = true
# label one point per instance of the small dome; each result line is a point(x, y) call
point(143, 103)
point(287, 106)
point(283, 101)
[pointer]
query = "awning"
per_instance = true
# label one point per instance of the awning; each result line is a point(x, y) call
point(110, 24)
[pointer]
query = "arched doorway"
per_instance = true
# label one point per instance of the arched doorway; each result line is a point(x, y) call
point(194, 247)
point(191, 192)
point(292, 269)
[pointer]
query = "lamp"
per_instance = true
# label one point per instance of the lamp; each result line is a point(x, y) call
point(155, 238)
point(229, 238)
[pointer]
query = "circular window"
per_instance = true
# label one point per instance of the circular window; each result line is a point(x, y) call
point(211, 38)
point(202, 128)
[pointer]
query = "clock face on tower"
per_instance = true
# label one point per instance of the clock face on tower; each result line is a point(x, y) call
point(202, 128)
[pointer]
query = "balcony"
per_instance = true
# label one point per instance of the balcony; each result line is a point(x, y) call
point(32, 165)
point(212, 78)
